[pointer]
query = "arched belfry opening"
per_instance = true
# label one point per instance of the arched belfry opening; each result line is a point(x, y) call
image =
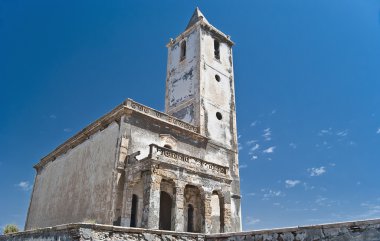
point(166, 205)
point(194, 214)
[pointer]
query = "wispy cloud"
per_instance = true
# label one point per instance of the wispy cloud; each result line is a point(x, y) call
point(378, 131)
point(316, 171)
point(269, 150)
point(67, 130)
point(254, 148)
point(307, 186)
point(325, 202)
point(242, 166)
point(269, 193)
point(293, 145)
point(291, 183)
point(52, 116)
point(254, 123)
point(342, 133)
point(251, 221)
point(24, 185)
point(267, 134)
point(251, 142)
point(325, 132)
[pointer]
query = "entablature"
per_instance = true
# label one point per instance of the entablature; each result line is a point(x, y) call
point(164, 158)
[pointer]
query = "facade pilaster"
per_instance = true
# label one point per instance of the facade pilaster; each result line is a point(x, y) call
point(151, 200)
point(207, 209)
point(127, 204)
point(179, 224)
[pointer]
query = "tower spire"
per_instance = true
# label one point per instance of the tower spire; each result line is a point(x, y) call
point(197, 16)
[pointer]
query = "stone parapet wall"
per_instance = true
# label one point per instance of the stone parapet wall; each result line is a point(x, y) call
point(368, 230)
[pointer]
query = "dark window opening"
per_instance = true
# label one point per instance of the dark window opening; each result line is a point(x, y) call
point(216, 49)
point(165, 222)
point(218, 115)
point(183, 50)
point(135, 200)
point(167, 146)
point(190, 218)
point(217, 77)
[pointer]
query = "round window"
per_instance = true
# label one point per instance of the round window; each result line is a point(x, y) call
point(218, 115)
point(217, 77)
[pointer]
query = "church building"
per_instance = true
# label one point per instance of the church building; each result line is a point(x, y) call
point(138, 167)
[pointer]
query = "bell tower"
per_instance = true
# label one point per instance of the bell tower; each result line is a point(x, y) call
point(200, 80)
point(200, 90)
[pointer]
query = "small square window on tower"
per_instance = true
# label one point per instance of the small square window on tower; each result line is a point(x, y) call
point(216, 49)
point(183, 50)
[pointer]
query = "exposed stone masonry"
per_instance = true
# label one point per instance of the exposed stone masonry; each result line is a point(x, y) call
point(350, 231)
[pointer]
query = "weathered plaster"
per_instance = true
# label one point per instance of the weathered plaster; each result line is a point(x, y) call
point(77, 185)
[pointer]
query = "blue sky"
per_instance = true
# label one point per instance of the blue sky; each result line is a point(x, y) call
point(307, 76)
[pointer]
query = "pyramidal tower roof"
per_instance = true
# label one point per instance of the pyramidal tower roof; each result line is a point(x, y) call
point(197, 15)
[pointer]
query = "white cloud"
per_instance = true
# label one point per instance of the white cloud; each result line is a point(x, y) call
point(254, 123)
point(67, 130)
point(273, 112)
point(293, 145)
point(52, 116)
point(269, 150)
point(243, 166)
point(271, 193)
point(25, 185)
point(342, 133)
point(378, 131)
point(325, 132)
point(307, 186)
point(267, 134)
point(251, 142)
point(251, 194)
point(291, 183)
point(325, 202)
point(254, 148)
point(252, 221)
point(316, 171)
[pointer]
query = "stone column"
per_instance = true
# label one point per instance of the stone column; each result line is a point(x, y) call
point(227, 212)
point(207, 212)
point(151, 200)
point(127, 204)
point(179, 208)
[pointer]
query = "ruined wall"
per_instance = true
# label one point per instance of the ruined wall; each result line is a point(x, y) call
point(77, 185)
point(351, 231)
